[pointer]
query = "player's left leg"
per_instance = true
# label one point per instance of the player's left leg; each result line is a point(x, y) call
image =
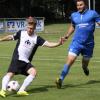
point(85, 62)
point(87, 53)
point(27, 81)
point(5, 81)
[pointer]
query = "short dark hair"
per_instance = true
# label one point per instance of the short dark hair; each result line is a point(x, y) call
point(85, 1)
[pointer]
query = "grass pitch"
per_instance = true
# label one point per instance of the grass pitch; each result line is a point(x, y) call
point(49, 63)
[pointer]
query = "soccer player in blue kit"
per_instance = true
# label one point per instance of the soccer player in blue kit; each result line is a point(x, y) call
point(83, 26)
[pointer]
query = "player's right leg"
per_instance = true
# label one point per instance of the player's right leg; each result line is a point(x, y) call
point(5, 81)
point(70, 60)
point(2, 93)
point(74, 51)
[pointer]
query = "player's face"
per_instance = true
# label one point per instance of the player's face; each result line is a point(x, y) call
point(30, 29)
point(81, 6)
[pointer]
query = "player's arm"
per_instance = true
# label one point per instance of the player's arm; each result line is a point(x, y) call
point(97, 18)
point(53, 44)
point(69, 32)
point(7, 38)
point(11, 37)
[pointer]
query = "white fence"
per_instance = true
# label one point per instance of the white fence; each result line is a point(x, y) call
point(14, 24)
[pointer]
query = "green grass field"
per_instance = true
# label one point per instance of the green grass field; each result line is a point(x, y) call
point(49, 63)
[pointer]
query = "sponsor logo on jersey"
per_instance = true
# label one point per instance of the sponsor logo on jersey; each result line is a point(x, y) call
point(27, 42)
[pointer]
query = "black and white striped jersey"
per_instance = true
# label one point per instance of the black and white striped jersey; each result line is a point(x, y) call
point(26, 45)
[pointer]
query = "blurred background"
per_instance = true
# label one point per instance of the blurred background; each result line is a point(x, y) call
point(52, 10)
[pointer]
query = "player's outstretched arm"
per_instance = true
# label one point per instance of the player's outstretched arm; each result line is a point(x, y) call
point(53, 44)
point(7, 38)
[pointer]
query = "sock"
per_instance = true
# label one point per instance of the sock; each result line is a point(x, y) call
point(64, 71)
point(5, 81)
point(27, 82)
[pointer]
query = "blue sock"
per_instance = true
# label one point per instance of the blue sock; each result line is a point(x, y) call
point(64, 71)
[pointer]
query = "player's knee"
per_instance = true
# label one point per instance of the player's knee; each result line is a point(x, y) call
point(86, 58)
point(32, 71)
point(71, 59)
point(10, 74)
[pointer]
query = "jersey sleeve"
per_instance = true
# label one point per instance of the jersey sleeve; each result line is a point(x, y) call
point(40, 41)
point(73, 23)
point(96, 16)
point(17, 35)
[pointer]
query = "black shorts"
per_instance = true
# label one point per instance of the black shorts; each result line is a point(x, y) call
point(19, 67)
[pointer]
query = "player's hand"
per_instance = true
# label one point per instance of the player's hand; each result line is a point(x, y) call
point(62, 40)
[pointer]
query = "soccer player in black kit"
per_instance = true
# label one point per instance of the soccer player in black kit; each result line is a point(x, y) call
point(27, 44)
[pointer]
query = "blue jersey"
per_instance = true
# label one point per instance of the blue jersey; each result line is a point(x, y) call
point(84, 24)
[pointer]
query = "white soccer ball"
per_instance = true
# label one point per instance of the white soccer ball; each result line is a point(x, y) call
point(13, 86)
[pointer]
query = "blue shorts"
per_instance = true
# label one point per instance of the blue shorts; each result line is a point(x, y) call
point(86, 50)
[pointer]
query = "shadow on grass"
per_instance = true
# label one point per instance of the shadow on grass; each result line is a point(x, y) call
point(83, 84)
point(41, 88)
point(44, 88)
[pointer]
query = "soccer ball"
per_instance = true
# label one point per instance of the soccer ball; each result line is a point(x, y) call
point(13, 86)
